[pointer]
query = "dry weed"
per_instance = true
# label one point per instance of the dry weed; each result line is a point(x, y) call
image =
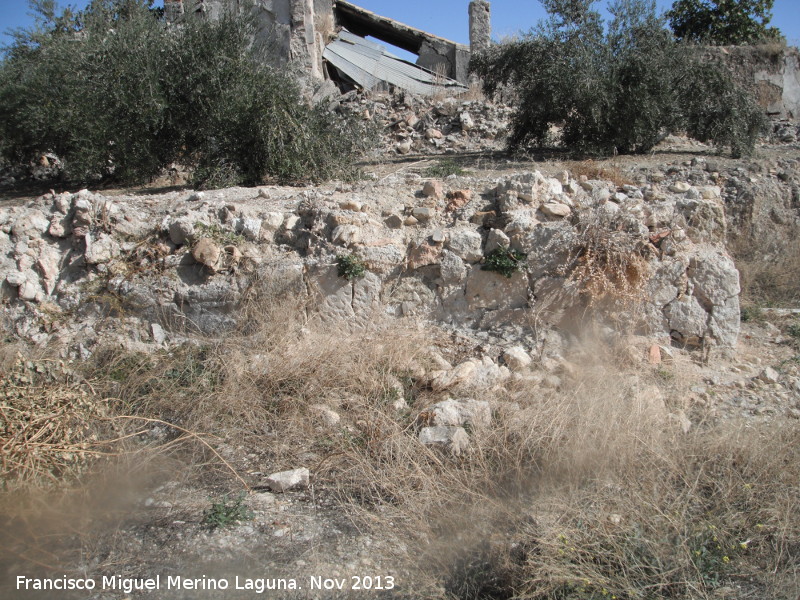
point(599, 170)
point(474, 92)
point(711, 512)
point(608, 262)
point(51, 425)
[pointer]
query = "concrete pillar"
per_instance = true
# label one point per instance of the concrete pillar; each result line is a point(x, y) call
point(304, 49)
point(480, 25)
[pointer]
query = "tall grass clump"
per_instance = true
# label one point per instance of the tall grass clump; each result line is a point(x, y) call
point(597, 88)
point(119, 94)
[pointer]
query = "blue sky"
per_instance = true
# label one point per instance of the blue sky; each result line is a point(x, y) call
point(446, 18)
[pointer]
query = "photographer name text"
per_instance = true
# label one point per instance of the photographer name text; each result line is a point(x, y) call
point(258, 585)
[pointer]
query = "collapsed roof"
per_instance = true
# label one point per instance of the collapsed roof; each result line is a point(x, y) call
point(369, 65)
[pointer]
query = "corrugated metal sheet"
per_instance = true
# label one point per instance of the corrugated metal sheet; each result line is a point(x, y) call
point(369, 64)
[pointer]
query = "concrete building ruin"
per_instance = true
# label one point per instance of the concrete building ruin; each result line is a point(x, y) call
point(300, 32)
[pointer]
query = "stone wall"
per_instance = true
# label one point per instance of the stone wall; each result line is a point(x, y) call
point(772, 73)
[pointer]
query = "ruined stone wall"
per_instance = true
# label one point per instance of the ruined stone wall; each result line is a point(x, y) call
point(286, 28)
point(771, 72)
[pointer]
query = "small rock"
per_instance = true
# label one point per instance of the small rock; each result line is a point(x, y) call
point(466, 244)
point(196, 196)
point(328, 416)
point(682, 420)
point(393, 221)
point(30, 291)
point(102, 250)
point(404, 147)
point(16, 278)
point(249, 227)
point(285, 481)
point(181, 231)
point(679, 187)
point(207, 253)
point(457, 413)
point(422, 213)
point(353, 205)
point(556, 209)
point(346, 235)
point(496, 239)
point(769, 375)
point(654, 354)
point(458, 198)
point(516, 358)
point(438, 236)
point(454, 439)
point(433, 189)
point(461, 374)
point(158, 334)
point(272, 221)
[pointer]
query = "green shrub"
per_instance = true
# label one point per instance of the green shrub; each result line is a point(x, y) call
point(752, 314)
point(116, 93)
point(613, 90)
point(226, 512)
point(503, 261)
point(350, 267)
point(445, 168)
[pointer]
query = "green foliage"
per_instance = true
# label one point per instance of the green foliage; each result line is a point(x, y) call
point(711, 553)
point(226, 512)
point(724, 22)
point(445, 168)
point(221, 236)
point(752, 313)
point(503, 261)
point(116, 93)
point(350, 267)
point(614, 90)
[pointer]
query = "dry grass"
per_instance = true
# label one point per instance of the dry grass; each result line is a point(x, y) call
point(474, 92)
point(768, 278)
point(587, 491)
point(599, 170)
point(51, 426)
point(711, 513)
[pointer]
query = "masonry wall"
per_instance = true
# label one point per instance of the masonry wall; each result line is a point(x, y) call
point(771, 72)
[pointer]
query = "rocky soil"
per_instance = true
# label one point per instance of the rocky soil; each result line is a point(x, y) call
point(514, 263)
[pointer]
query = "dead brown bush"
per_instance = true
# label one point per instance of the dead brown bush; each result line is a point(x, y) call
point(600, 170)
point(608, 261)
point(51, 424)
